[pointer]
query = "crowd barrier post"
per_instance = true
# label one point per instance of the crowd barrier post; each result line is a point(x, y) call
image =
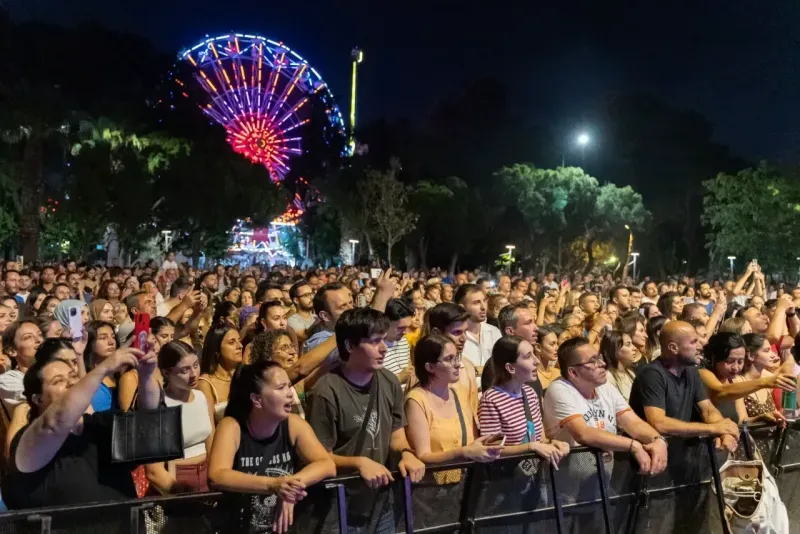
point(556, 501)
point(601, 472)
point(642, 500)
point(45, 522)
point(409, 505)
point(134, 515)
point(777, 460)
point(469, 501)
point(712, 456)
point(341, 501)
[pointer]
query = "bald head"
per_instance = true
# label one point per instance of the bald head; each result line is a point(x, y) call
point(679, 342)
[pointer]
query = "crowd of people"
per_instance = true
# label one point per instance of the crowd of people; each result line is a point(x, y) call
point(286, 377)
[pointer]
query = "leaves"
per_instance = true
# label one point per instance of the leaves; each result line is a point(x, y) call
point(753, 214)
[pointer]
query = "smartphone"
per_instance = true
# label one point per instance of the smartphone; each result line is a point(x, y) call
point(496, 440)
point(361, 282)
point(75, 322)
point(141, 331)
point(375, 273)
point(564, 282)
point(20, 262)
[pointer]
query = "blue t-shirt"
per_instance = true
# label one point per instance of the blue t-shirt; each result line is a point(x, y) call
point(103, 399)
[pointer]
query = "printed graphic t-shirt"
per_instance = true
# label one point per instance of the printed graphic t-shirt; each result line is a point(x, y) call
point(336, 409)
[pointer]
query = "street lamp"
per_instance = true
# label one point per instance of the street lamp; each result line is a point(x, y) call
point(510, 250)
point(635, 256)
point(167, 238)
point(353, 243)
point(731, 258)
point(582, 140)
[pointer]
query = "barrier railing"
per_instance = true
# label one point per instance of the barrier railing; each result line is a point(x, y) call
point(591, 491)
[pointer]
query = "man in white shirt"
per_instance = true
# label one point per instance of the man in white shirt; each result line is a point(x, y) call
point(481, 336)
point(398, 354)
point(582, 409)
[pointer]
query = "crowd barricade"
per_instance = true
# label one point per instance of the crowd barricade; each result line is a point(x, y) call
point(590, 492)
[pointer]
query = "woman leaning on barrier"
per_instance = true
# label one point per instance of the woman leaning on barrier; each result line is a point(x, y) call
point(63, 457)
point(441, 422)
point(259, 448)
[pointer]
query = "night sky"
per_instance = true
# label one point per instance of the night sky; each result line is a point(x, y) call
point(735, 61)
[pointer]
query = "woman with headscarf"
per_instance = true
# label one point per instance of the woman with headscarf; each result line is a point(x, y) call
point(62, 313)
point(101, 310)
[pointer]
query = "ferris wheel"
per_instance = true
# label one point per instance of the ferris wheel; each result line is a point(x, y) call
point(261, 92)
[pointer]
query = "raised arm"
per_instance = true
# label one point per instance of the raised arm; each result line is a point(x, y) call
point(42, 440)
point(738, 390)
point(385, 290)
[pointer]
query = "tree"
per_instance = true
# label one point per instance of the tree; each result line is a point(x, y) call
point(387, 198)
point(561, 205)
point(753, 214)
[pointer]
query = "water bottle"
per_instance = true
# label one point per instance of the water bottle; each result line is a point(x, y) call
point(789, 405)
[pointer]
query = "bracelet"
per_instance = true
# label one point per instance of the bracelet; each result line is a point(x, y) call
point(662, 438)
point(630, 449)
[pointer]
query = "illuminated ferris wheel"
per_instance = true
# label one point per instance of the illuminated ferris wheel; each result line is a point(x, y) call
point(261, 92)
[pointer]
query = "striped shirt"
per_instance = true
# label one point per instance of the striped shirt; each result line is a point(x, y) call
point(500, 411)
point(397, 356)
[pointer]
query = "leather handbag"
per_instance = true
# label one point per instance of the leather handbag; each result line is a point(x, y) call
point(147, 436)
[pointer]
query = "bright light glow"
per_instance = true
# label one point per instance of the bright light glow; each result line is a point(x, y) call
point(634, 254)
point(510, 247)
point(354, 241)
point(731, 258)
point(627, 227)
point(583, 139)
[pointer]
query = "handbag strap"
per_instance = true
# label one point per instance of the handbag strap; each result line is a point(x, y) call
point(460, 418)
point(530, 429)
point(362, 432)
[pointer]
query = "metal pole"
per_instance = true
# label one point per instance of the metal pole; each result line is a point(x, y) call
point(556, 501)
point(409, 515)
point(712, 455)
point(601, 473)
point(341, 500)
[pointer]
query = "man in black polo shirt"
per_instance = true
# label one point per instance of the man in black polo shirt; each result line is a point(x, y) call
point(669, 394)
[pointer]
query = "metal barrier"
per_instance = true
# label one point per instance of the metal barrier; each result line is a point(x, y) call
point(591, 491)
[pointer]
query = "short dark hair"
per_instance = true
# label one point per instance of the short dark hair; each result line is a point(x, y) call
point(295, 289)
point(720, 345)
point(5, 274)
point(516, 283)
point(615, 290)
point(464, 290)
point(508, 315)
point(688, 309)
point(397, 309)
point(356, 325)
point(181, 284)
point(320, 298)
point(443, 315)
point(568, 353)
point(634, 289)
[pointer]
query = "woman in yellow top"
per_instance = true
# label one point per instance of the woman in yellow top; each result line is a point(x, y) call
point(441, 422)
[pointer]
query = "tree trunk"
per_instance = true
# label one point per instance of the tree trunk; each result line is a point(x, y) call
point(389, 244)
point(423, 253)
point(196, 241)
point(559, 256)
point(590, 255)
point(369, 245)
point(31, 198)
point(453, 262)
point(628, 256)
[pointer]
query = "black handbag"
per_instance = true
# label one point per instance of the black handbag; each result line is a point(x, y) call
point(147, 436)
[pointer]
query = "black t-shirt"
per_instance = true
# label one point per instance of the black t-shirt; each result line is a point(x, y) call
point(81, 471)
point(272, 457)
point(678, 396)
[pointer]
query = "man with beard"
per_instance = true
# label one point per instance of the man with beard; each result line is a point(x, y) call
point(303, 299)
point(704, 297)
point(668, 392)
point(481, 336)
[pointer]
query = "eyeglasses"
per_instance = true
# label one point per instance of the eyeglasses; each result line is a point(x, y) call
point(452, 360)
point(591, 363)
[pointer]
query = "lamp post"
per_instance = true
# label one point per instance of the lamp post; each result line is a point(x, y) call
point(731, 259)
point(510, 250)
point(353, 243)
point(167, 238)
point(635, 256)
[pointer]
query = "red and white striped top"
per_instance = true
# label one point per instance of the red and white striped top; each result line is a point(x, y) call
point(499, 411)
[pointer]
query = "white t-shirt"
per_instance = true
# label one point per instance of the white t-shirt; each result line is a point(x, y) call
point(478, 352)
point(397, 356)
point(169, 265)
point(12, 389)
point(563, 403)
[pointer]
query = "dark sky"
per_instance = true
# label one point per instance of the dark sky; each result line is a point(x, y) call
point(735, 61)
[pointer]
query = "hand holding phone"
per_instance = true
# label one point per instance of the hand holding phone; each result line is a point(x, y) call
point(75, 323)
point(141, 332)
